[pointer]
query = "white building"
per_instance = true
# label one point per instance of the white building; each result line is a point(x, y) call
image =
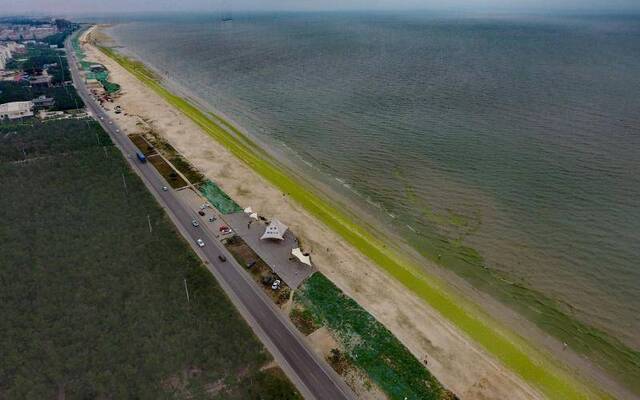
point(16, 109)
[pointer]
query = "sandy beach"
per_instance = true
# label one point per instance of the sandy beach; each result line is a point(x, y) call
point(459, 363)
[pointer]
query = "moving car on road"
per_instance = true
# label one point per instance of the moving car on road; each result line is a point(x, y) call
point(200, 242)
point(222, 258)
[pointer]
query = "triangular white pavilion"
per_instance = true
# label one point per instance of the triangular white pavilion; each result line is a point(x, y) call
point(300, 256)
point(275, 230)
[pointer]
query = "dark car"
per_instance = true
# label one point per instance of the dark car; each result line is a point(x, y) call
point(222, 258)
point(201, 212)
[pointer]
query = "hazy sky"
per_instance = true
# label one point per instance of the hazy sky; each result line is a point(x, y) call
point(102, 6)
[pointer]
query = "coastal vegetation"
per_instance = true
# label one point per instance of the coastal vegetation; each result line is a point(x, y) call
point(93, 283)
point(367, 343)
point(536, 368)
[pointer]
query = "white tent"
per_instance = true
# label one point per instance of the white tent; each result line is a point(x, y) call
point(253, 215)
point(275, 230)
point(248, 210)
point(300, 256)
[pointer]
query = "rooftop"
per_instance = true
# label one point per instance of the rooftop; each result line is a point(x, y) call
point(16, 106)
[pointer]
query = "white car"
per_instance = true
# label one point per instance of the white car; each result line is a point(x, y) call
point(117, 130)
point(276, 284)
point(110, 122)
point(101, 117)
point(164, 188)
point(195, 224)
point(200, 242)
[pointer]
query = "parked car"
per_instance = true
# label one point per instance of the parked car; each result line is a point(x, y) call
point(212, 218)
point(201, 213)
point(195, 223)
point(222, 258)
point(276, 284)
point(200, 242)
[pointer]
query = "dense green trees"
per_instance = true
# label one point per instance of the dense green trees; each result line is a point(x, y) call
point(93, 304)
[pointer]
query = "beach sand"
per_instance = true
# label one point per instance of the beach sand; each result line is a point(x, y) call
point(460, 364)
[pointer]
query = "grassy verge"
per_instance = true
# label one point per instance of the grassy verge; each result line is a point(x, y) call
point(142, 145)
point(510, 349)
point(368, 344)
point(93, 304)
point(167, 172)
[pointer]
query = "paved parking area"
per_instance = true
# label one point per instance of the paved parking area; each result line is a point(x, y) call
point(276, 253)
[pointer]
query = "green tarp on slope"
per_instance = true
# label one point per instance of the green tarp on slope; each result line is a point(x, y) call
point(218, 198)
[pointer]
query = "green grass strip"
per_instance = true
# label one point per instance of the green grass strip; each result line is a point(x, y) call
point(532, 365)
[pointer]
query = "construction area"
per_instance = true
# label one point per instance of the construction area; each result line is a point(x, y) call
point(96, 76)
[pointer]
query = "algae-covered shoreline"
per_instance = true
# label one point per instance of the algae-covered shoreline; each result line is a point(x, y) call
point(507, 347)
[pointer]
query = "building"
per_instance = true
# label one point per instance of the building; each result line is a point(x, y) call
point(43, 80)
point(6, 51)
point(8, 75)
point(97, 68)
point(26, 32)
point(16, 109)
point(43, 102)
point(41, 32)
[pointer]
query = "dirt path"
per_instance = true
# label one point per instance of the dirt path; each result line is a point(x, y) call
point(455, 360)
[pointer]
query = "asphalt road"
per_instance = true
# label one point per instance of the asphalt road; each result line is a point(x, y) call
point(312, 376)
